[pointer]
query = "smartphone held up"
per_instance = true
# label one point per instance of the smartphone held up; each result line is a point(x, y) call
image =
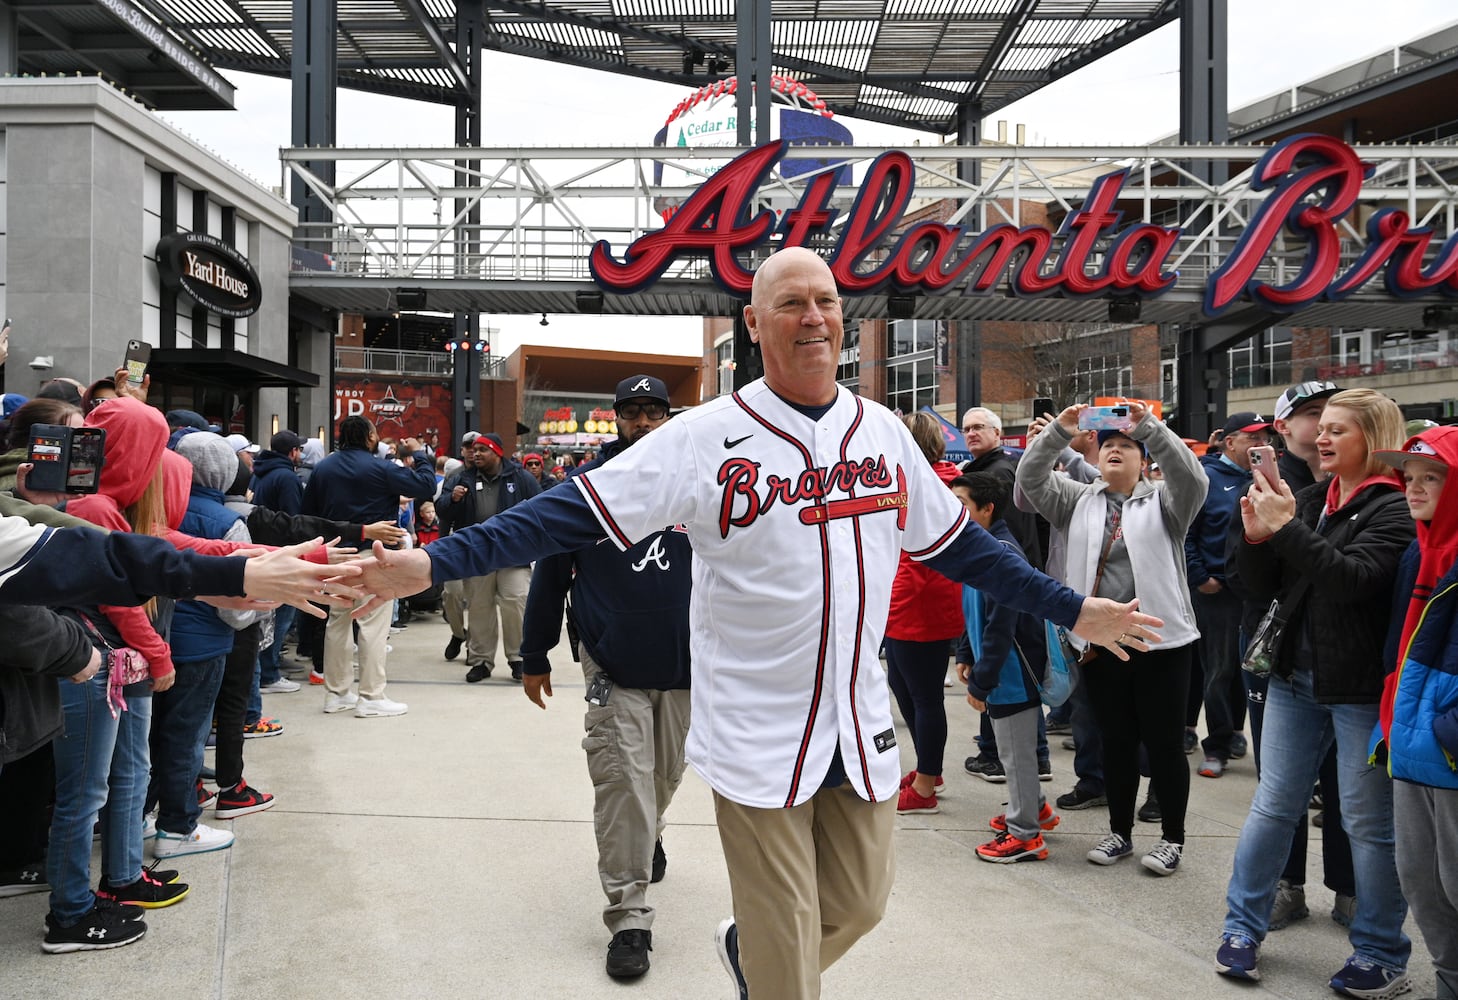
point(65, 459)
point(139, 355)
point(1104, 418)
point(1263, 464)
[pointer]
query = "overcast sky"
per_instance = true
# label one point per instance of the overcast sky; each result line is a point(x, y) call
point(1128, 97)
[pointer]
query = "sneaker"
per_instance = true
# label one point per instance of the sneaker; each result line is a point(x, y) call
point(205, 797)
point(477, 672)
point(1213, 767)
point(149, 825)
point(340, 703)
point(1005, 849)
point(627, 955)
point(1111, 849)
point(1289, 905)
point(1150, 812)
point(395, 629)
point(453, 648)
point(940, 788)
point(19, 881)
point(1081, 798)
point(369, 708)
point(910, 802)
point(1163, 858)
point(281, 686)
point(515, 670)
point(1045, 770)
point(261, 728)
point(98, 929)
point(1192, 740)
point(127, 911)
point(1363, 978)
point(147, 892)
point(1059, 728)
point(987, 768)
point(240, 801)
point(201, 840)
point(1070, 744)
point(660, 862)
point(726, 939)
point(1344, 910)
point(316, 678)
point(1237, 957)
point(1239, 746)
point(1047, 819)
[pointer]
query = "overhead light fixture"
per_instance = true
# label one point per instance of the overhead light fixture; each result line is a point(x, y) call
point(1124, 308)
point(691, 58)
point(718, 65)
point(1436, 316)
point(410, 298)
point(901, 306)
point(589, 300)
point(544, 320)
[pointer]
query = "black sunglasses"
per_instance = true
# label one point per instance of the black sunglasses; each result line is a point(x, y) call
point(632, 410)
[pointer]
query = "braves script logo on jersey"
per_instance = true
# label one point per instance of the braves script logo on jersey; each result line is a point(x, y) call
point(742, 489)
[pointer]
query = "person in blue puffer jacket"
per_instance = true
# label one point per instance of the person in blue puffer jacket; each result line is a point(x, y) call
point(1417, 722)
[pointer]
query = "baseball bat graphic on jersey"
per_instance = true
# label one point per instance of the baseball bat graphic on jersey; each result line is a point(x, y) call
point(860, 505)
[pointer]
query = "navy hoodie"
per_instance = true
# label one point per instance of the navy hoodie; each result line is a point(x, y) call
point(275, 484)
point(1205, 542)
point(631, 608)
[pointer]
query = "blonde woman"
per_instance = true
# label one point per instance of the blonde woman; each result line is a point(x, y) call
point(1330, 555)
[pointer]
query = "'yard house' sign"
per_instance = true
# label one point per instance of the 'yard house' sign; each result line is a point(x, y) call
point(1314, 182)
point(216, 276)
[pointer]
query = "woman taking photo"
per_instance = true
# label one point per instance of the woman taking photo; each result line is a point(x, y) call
point(1125, 539)
point(1329, 555)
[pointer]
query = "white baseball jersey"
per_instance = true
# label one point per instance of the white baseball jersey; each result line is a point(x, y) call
point(796, 527)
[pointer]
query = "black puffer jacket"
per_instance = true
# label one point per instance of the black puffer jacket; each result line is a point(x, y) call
point(40, 649)
point(1351, 563)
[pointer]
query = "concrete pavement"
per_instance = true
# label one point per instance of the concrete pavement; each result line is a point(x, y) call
point(449, 853)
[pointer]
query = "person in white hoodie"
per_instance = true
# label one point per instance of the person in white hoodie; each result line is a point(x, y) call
point(1125, 539)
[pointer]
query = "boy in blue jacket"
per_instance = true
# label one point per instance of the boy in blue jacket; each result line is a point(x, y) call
point(1002, 670)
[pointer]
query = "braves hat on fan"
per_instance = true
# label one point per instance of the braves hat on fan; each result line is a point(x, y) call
point(641, 387)
point(1299, 395)
point(1430, 447)
point(284, 442)
point(1246, 422)
point(1105, 435)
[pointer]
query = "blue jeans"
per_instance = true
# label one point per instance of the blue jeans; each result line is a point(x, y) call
point(83, 762)
point(268, 656)
point(182, 715)
point(1088, 742)
point(121, 820)
point(1294, 738)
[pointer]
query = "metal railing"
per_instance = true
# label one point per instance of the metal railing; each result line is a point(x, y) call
point(407, 214)
point(427, 364)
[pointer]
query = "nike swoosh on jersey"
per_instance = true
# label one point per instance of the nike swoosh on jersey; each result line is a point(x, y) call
point(737, 441)
point(1229, 488)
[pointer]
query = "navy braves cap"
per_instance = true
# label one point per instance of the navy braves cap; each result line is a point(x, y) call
point(641, 387)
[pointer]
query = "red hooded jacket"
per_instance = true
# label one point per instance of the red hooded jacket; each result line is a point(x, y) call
point(925, 606)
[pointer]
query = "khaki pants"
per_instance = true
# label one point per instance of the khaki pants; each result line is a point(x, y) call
point(453, 607)
point(634, 748)
point(374, 629)
point(807, 883)
point(506, 589)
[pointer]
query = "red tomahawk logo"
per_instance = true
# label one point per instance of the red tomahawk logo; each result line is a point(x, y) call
point(855, 506)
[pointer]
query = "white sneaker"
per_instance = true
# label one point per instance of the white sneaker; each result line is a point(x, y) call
point(370, 707)
point(340, 702)
point(281, 686)
point(149, 825)
point(1164, 857)
point(201, 840)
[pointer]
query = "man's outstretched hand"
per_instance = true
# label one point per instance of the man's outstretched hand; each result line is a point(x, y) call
point(386, 574)
point(281, 575)
point(1116, 626)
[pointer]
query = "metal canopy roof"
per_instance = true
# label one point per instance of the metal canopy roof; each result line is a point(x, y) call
point(905, 62)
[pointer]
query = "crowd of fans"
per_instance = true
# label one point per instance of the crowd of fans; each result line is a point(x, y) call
point(1350, 547)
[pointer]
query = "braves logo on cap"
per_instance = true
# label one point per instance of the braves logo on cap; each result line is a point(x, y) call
point(1421, 447)
point(642, 385)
